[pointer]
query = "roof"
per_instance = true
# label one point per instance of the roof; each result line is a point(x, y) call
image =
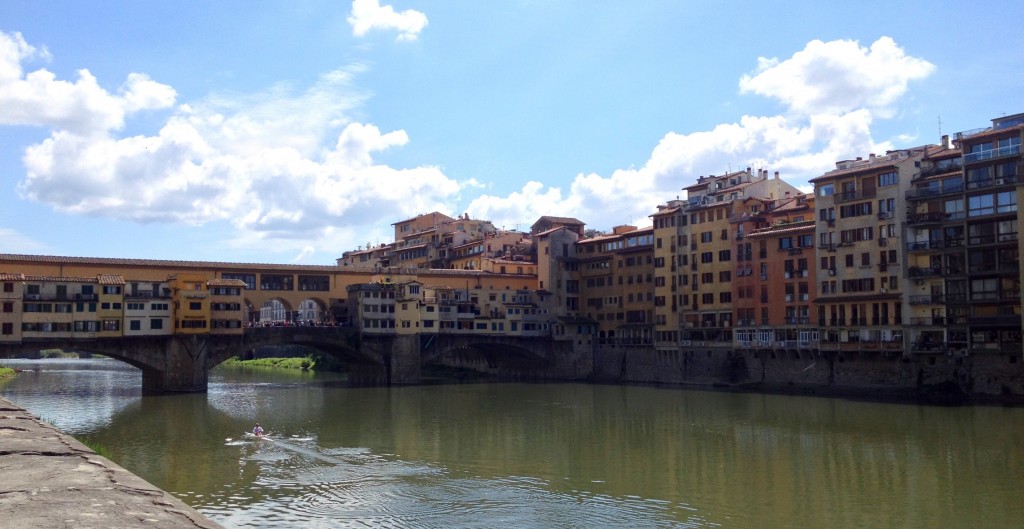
point(225, 283)
point(782, 229)
point(110, 279)
point(666, 211)
point(432, 214)
point(879, 162)
point(5, 276)
point(178, 265)
point(560, 220)
point(54, 279)
point(991, 132)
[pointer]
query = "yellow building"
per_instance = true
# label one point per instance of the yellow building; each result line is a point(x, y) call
point(669, 233)
point(12, 291)
point(226, 306)
point(707, 319)
point(191, 304)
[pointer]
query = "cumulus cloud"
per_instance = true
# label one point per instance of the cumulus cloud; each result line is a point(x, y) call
point(287, 165)
point(838, 76)
point(368, 15)
point(83, 107)
point(832, 93)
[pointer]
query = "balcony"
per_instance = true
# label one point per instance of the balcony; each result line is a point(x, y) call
point(1010, 319)
point(932, 299)
point(849, 196)
point(918, 272)
point(933, 217)
point(935, 191)
point(1009, 150)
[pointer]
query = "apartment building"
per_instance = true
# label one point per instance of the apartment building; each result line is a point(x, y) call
point(226, 306)
point(12, 292)
point(616, 284)
point(191, 303)
point(860, 300)
point(669, 225)
point(148, 308)
point(773, 290)
point(963, 250)
point(373, 307)
point(708, 314)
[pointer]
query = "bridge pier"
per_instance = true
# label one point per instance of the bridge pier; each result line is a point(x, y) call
point(184, 369)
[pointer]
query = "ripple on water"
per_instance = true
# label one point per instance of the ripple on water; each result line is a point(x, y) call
point(303, 486)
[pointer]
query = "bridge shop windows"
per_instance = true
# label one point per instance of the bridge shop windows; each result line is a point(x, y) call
point(248, 279)
point(277, 282)
point(319, 283)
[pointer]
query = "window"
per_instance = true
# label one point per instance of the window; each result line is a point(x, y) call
point(248, 279)
point(134, 325)
point(888, 179)
point(826, 190)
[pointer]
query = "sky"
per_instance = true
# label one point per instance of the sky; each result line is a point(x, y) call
point(291, 132)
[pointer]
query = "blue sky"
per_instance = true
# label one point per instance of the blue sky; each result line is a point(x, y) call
point(291, 132)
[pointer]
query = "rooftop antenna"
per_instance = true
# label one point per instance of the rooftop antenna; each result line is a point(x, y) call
point(940, 126)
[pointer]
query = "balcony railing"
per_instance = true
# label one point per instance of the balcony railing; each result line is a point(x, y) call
point(849, 196)
point(998, 152)
point(933, 299)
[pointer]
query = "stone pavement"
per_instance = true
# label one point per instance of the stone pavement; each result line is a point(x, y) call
point(50, 480)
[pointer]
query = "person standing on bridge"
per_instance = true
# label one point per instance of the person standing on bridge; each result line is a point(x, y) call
point(258, 430)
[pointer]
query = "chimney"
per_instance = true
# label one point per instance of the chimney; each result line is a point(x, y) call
point(776, 175)
point(945, 141)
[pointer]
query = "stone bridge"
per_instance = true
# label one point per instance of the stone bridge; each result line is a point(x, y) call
point(181, 363)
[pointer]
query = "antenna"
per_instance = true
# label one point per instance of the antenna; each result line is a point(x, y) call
point(940, 126)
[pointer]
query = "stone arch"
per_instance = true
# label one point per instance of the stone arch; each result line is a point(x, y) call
point(313, 309)
point(276, 310)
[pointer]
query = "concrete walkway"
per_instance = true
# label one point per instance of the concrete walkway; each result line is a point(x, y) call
point(50, 480)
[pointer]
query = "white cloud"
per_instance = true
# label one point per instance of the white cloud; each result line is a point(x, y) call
point(833, 92)
point(38, 98)
point(17, 242)
point(369, 15)
point(838, 76)
point(287, 165)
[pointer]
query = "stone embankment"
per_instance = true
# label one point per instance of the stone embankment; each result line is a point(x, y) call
point(48, 479)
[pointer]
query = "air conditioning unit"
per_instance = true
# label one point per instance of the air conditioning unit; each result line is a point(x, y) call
point(789, 297)
point(882, 290)
point(789, 275)
point(831, 271)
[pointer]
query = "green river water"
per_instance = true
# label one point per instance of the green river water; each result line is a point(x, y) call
point(537, 455)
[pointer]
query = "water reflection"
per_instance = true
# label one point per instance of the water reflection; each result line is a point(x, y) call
point(547, 455)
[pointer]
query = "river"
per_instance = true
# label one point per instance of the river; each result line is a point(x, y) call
point(537, 455)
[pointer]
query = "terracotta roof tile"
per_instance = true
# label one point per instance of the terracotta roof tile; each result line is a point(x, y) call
point(119, 262)
point(225, 283)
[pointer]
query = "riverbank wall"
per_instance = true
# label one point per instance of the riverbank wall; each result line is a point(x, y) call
point(49, 479)
point(937, 379)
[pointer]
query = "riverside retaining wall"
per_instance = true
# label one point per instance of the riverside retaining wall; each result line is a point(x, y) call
point(48, 479)
point(995, 378)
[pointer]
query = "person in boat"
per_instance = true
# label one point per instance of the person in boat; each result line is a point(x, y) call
point(258, 430)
